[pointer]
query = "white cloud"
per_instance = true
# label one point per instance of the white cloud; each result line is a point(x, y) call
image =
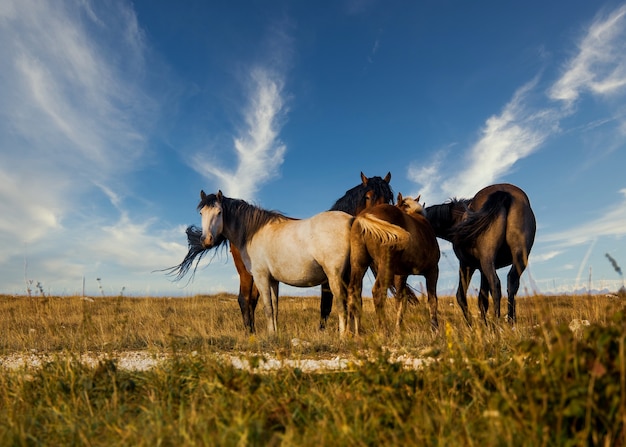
point(428, 176)
point(259, 151)
point(522, 127)
point(543, 257)
point(72, 120)
point(518, 131)
point(611, 223)
point(515, 133)
point(600, 65)
point(67, 101)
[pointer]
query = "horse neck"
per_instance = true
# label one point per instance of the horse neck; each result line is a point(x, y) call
point(242, 220)
point(444, 217)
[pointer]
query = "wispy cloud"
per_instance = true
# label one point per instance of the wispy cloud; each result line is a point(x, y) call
point(73, 120)
point(523, 126)
point(600, 65)
point(610, 223)
point(258, 147)
point(518, 131)
point(515, 133)
point(68, 101)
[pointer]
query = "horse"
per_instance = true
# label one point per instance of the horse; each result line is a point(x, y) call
point(371, 191)
point(276, 248)
point(398, 241)
point(494, 229)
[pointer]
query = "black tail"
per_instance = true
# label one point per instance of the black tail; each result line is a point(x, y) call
point(195, 253)
point(477, 222)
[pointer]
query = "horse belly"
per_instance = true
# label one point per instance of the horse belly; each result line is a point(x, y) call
point(305, 273)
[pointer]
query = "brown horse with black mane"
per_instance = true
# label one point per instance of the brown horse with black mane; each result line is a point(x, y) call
point(371, 191)
point(494, 229)
point(397, 241)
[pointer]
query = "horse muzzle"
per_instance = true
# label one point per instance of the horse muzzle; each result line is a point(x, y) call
point(208, 241)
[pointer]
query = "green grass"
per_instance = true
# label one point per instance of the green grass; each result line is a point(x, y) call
point(534, 384)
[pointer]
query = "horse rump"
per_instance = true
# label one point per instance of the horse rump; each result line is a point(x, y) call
point(478, 221)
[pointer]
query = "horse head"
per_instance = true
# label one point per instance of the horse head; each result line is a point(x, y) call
point(376, 190)
point(410, 205)
point(210, 208)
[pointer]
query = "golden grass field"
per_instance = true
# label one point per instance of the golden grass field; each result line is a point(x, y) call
point(557, 377)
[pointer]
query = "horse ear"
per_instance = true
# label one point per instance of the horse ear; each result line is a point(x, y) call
point(387, 177)
point(219, 196)
point(363, 178)
point(202, 194)
point(417, 199)
point(399, 197)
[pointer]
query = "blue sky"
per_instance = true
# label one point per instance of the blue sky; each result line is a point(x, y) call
point(115, 114)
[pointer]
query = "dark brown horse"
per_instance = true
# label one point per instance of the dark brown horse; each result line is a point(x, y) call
point(494, 229)
point(371, 191)
point(397, 241)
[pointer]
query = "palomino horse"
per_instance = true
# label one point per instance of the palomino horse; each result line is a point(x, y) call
point(371, 191)
point(494, 229)
point(398, 241)
point(276, 248)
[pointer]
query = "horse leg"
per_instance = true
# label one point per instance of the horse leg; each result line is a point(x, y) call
point(248, 299)
point(274, 296)
point(248, 293)
point(483, 297)
point(380, 288)
point(268, 290)
point(401, 299)
point(518, 267)
point(379, 295)
point(488, 269)
point(326, 305)
point(337, 284)
point(465, 276)
point(355, 298)
point(432, 277)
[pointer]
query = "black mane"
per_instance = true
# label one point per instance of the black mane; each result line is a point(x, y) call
point(441, 216)
point(354, 198)
point(246, 218)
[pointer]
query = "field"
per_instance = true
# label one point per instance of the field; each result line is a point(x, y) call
point(557, 377)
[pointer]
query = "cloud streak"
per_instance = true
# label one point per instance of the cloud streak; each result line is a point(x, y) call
point(610, 223)
point(259, 151)
point(600, 66)
point(73, 120)
point(521, 128)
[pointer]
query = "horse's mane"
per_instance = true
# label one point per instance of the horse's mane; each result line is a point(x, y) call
point(442, 214)
point(354, 197)
point(195, 253)
point(249, 218)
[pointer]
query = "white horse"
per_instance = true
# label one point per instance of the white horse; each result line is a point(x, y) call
point(276, 248)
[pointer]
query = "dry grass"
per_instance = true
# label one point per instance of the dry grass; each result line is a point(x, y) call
point(213, 323)
point(537, 383)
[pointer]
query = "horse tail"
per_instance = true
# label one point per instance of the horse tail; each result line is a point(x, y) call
point(477, 222)
point(384, 232)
